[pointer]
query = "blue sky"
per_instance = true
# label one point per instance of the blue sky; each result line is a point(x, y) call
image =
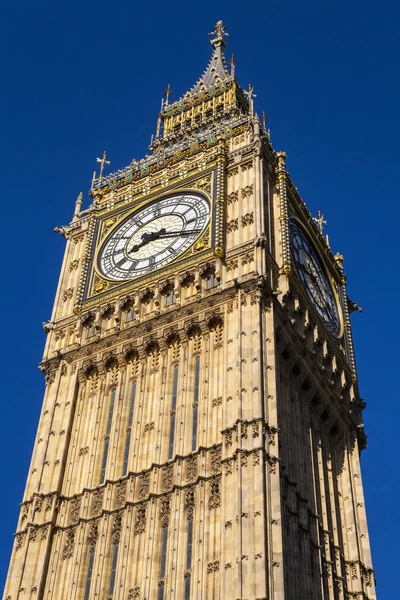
point(81, 76)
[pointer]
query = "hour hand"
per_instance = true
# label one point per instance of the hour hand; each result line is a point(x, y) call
point(146, 238)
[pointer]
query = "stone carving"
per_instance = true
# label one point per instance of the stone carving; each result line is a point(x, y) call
point(69, 546)
point(144, 485)
point(228, 467)
point(116, 528)
point(92, 536)
point(148, 427)
point(140, 525)
point(191, 469)
point(213, 567)
point(189, 499)
point(217, 401)
point(68, 294)
point(231, 265)
point(97, 503)
point(247, 219)
point(228, 438)
point(243, 459)
point(167, 478)
point(232, 225)
point(165, 507)
point(24, 511)
point(43, 532)
point(19, 540)
point(134, 593)
point(215, 498)
point(73, 265)
point(271, 435)
point(84, 450)
point(232, 197)
point(216, 461)
point(246, 260)
point(256, 429)
point(32, 534)
point(256, 459)
point(120, 495)
point(75, 510)
point(369, 577)
point(219, 334)
point(247, 191)
point(272, 461)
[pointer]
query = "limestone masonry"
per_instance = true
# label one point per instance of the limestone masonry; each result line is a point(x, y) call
point(201, 428)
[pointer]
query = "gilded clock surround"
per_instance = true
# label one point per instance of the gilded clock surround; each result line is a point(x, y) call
point(200, 424)
point(205, 247)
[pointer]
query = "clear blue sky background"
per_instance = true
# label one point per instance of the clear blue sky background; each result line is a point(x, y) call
point(81, 76)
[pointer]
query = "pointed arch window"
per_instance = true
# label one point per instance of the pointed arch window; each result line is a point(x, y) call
point(129, 428)
point(163, 558)
point(130, 315)
point(173, 412)
point(189, 548)
point(211, 280)
point(89, 574)
point(195, 401)
point(107, 435)
point(91, 330)
point(116, 534)
point(168, 293)
point(92, 539)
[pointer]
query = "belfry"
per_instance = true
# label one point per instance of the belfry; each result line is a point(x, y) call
point(201, 427)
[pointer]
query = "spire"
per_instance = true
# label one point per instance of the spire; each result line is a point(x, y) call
point(216, 71)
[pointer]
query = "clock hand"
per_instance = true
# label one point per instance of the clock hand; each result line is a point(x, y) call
point(155, 235)
point(176, 233)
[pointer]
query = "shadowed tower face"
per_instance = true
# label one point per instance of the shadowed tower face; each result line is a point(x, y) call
point(201, 425)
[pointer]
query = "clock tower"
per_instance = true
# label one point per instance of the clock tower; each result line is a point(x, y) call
point(201, 427)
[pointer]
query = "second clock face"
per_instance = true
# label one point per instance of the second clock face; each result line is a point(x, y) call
point(154, 235)
point(314, 278)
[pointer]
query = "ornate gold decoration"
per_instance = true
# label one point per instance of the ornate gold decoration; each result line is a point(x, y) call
point(102, 162)
point(110, 222)
point(100, 286)
point(319, 220)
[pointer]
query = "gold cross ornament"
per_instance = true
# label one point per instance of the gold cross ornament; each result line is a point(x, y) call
point(320, 221)
point(102, 162)
point(250, 96)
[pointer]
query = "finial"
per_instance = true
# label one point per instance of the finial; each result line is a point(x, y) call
point(102, 162)
point(250, 96)
point(232, 62)
point(264, 120)
point(319, 220)
point(167, 94)
point(339, 258)
point(93, 179)
point(78, 206)
point(219, 33)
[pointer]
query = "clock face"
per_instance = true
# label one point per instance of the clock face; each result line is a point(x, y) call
point(154, 235)
point(314, 278)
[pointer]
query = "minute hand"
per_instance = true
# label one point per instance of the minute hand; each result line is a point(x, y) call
point(176, 233)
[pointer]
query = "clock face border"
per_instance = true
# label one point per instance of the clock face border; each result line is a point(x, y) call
point(330, 279)
point(122, 212)
point(170, 200)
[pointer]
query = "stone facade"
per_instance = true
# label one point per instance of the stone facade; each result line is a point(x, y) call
point(259, 493)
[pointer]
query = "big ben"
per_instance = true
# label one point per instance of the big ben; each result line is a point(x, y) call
point(201, 428)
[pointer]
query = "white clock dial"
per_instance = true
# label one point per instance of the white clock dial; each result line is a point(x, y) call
point(154, 235)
